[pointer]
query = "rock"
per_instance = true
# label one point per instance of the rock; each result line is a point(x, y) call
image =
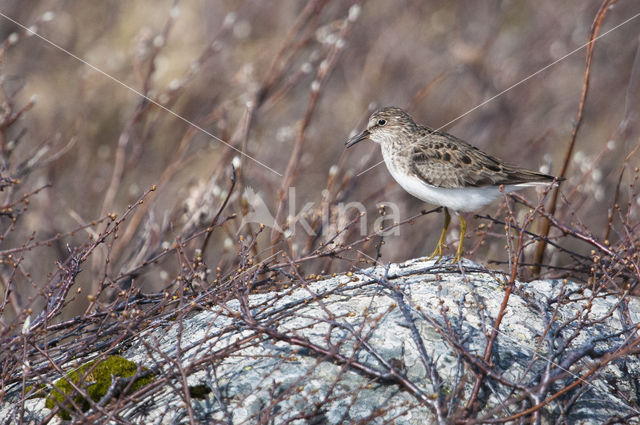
point(401, 344)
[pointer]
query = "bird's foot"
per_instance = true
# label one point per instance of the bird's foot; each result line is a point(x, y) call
point(458, 257)
point(441, 245)
point(463, 231)
point(438, 252)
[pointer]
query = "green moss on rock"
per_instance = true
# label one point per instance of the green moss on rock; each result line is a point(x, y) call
point(39, 392)
point(96, 383)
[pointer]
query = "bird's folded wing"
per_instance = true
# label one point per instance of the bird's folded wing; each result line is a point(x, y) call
point(445, 161)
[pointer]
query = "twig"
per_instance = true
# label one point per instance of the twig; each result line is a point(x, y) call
point(214, 222)
point(546, 225)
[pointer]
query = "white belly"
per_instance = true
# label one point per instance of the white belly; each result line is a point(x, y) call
point(463, 199)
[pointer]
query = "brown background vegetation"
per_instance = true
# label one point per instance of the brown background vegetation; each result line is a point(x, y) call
point(244, 72)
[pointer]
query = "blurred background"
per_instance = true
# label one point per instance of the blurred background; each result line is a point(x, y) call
point(287, 82)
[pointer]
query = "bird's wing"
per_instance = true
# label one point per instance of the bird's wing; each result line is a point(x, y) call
point(443, 160)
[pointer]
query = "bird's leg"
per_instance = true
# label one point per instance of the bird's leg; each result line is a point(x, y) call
point(463, 231)
point(440, 245)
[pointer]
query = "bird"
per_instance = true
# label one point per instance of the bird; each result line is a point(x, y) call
point(441, 169)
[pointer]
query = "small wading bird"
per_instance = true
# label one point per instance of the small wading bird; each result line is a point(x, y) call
point(441, 169)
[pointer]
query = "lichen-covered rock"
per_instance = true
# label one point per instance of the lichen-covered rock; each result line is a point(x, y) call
point(357, 318)
point(402, 344)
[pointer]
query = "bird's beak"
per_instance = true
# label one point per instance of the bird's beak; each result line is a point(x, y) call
point(357, 138)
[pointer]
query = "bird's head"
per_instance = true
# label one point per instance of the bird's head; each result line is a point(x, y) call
point(384, 125)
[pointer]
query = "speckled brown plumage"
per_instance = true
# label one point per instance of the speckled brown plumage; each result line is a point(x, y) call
point(441, 169)
point(443, 160)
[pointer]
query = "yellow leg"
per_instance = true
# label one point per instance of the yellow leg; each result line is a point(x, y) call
point(440, 246)
point(463, 231)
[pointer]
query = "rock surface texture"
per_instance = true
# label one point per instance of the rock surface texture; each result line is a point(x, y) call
point(403, 344)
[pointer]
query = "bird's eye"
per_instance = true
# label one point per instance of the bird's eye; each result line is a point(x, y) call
point(382, 122)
